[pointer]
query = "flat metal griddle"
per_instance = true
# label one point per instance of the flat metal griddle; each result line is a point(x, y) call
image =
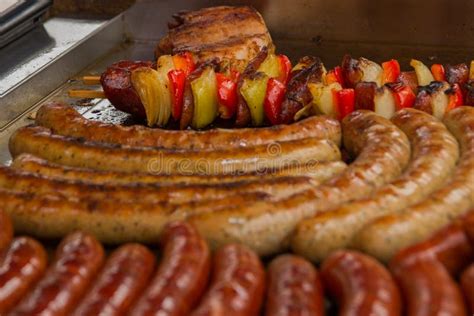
point(329, 29)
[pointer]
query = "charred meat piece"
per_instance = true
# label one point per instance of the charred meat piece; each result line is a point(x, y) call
point(433, 98)
point(457, 74)
point(298, 94)
point(118, 87)
point(235, 34)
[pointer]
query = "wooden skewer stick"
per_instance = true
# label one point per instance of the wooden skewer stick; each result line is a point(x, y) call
point(86, 94)
point(91, 80)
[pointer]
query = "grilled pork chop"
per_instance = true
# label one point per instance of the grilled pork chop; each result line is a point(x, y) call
point(233, 34)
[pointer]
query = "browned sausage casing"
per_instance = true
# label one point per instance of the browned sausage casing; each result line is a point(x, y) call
point(20, 268)
point(385, 236)
point(467, 285)
point(52, 216)
point(65, 120)
point(181, 277)
point(294, 288)
point(6, 230)
point(78, 258)
point(237, 286)
point(278, 187)
point(125, 274)
point(382, 152)
point(76, 153)
point(434, 156)
point(428, 289)
point(361, 285)
point(468, 223)
point(449, 246)
point(319, 172)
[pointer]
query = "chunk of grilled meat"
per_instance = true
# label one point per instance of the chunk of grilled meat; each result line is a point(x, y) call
point(233, 34)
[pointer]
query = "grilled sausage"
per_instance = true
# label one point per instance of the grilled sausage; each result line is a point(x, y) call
point(77, 153)
point(360, 285)
point(65, 120)
point(120, 282)
point(434, 156)
point(319, 172)
point(385, 236)
point(118, 87)
point(237, 285)
point(20, 268)
point(166, 195)
point(52, 216)
point(78, 258)
point(449, 246)
point(468, 223)
point(467, 285)
point(428, 289)
point(382, 152)
point(294, 288)
point(6, 230)
point(182, 276)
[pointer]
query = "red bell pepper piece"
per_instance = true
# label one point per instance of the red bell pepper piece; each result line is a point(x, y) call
point(335, 75)
point(391, 71)
point(404, 95)
point(345, 101)
point(455, 98)
point(273, 99)
point(177, 80)
point(227, 94)
point(185, 62)
point(285, 65)
point(438, 72)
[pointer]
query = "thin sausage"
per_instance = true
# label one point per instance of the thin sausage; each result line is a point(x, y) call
point(428, 289)
point(52, 216)
point(434, 156)
point(21, 266)
point(78, 258)
point(361, 285)
point(467, 285)
point(237, 286)
point(181, 277)
point(65, 120)
point(294, 288)
point(450, 246)
point(6, 230)
point(76, 152)
point(382, 152)
point(279, 187)
point(123, 278)
point(320, 172)
point(387, 235)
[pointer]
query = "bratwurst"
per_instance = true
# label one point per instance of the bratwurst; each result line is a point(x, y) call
point(76, 152)
point(385, 236)
point(382, 152)
point(317, 172)
point(434, 156)
point(64, 120)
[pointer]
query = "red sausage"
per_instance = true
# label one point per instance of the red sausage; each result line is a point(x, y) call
point(467, 285)
point(360, 285)
point(6, 230)
point(428, 289)
point(237, 286)
point(78, 258)
point(294, 288)
point(450, 246)
point(468, 222)
point(121, 281)
point(20, 268)
point(182, 275)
